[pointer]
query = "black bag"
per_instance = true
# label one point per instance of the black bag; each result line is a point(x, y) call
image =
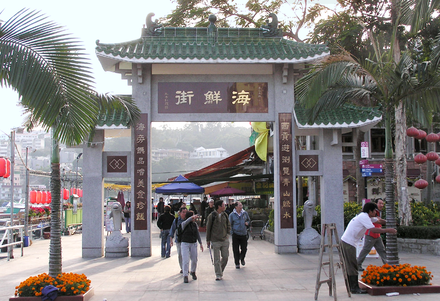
point(126, 214)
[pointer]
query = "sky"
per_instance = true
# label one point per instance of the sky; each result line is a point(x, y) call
point(109, 21)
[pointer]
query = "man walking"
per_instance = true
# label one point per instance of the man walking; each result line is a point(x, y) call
point(203, 206)
point(164, 223)
point(176, 223)
point(217, 236)
point(373, 239)
point(353, 233)
point(239, 220)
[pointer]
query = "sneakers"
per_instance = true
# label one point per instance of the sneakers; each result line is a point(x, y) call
point(218, 278)
point(242, 262)
point(185, 279)
point(193, 274)
point(181, 271)
point(237, 266)
point(360, 268)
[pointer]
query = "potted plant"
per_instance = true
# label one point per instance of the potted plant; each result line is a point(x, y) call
point(402, 278)
point(70, 286)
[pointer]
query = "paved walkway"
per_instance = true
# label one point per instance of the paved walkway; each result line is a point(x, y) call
point(266, 276)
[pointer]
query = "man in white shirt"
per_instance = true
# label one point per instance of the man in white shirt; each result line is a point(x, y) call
point(352, 235)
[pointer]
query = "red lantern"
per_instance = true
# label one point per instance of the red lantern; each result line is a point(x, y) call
point(44, 197)
point(5, 168)
point(65, 194)
point(432, 137)
point(437, 179)
point(421, 135)
point(421, 184)
point(420, 158)
point(38, 199)
point(80, 193)
point(72, 191)
point(432, 156)
point(437, 162)
point(412, 132)
point(49, 197)
point(33, 197)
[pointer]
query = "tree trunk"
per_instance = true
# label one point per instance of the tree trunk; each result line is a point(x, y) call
point(392, 257)
point(55, 260)
point(401, 167)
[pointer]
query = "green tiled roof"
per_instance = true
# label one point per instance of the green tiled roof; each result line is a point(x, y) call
point(210, 45)
point(347, 116)
point(114, 119)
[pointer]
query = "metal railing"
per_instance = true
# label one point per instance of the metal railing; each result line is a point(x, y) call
point(8, 236)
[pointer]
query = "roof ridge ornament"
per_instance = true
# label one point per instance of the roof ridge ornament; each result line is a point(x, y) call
point(271, 28)
point(212, 29)
point(153, 28)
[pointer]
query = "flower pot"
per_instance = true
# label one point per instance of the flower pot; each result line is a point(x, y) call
point(84, 297)
point(374, 290)
point(46, 235)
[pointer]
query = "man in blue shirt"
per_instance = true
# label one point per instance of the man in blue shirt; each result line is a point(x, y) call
point(239, 220)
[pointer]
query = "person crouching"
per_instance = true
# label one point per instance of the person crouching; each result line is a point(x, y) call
point(190, 237)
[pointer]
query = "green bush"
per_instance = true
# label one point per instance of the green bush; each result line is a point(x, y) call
point(418, 232)
point(425, 219)
point(271, 220)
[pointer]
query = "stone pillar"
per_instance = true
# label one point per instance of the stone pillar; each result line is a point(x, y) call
point(141, 239)
point(332, 199)
point(285, 236)
point(93, 200)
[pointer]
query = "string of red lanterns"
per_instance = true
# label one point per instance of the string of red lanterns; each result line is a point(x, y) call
point(421, 158)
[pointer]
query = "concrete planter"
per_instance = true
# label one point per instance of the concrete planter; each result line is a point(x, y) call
point(269, 236)
point(383, 290)
point(89, 294)
point(419, 246)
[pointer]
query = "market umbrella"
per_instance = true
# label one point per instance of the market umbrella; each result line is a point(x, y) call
point(227, 191)
point(183, 186)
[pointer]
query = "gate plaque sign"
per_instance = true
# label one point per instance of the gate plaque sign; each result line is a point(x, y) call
point(215, 97)
point(141, 173)
point(286, 172)
point(308, 163)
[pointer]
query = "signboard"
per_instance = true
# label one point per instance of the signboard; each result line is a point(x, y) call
point(117, 164)
point(370, 170)
point(285, 171)
point(366, 174)
point(372, 166)
point(141, 173)
point(364, 150)
point(363, 162)
point(212, 97)
point(308, 163)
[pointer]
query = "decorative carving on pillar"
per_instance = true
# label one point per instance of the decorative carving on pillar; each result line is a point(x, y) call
point(141, 173)
point(286, 171)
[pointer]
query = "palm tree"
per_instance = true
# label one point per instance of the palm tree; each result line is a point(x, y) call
point(52, 75)
point(386, 80)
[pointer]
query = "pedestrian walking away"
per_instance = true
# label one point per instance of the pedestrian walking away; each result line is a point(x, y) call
point(373, 239)
point(189, 232)
point(173, 232)
point(351, 237)
point(164, 223)
point(217, 236)
point(203, 207)
point(239, 220)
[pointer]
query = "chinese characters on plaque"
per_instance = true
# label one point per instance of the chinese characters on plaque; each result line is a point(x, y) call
point(197, 97)
point(141, 173)
point(285, 172)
